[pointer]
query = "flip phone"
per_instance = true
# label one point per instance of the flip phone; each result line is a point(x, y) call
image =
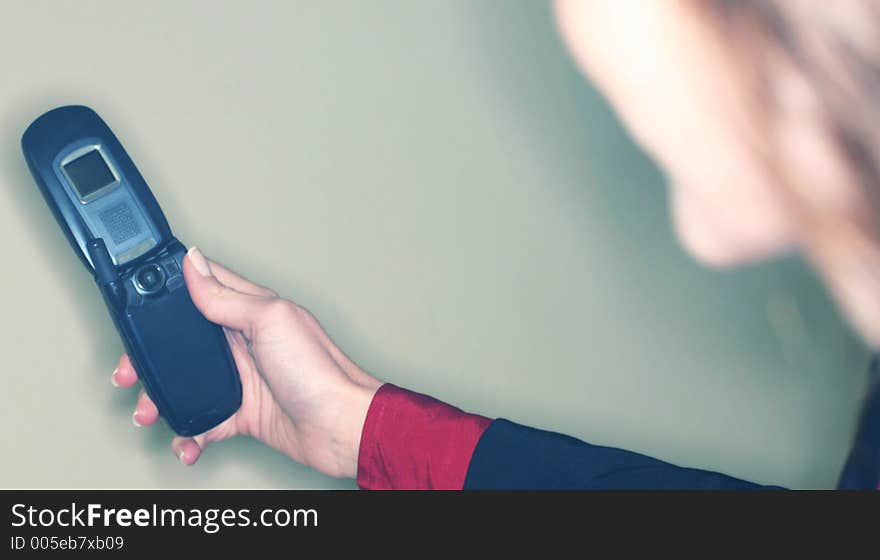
point(115, 225)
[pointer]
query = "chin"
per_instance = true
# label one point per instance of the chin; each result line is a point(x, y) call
point(723, 249)
point(713, 254)
point(727, 236)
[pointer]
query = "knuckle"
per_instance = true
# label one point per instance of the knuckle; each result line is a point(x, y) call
point(308, 318)
point(218, 289)
point(221, 291)
point(282, 309)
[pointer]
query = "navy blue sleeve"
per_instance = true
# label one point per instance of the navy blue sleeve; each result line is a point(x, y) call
point(511, 456)
point(862, 468)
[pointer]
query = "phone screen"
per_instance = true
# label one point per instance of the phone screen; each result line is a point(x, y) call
point(89, 173)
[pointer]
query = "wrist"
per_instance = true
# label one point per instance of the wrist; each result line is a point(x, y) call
point(346, 436)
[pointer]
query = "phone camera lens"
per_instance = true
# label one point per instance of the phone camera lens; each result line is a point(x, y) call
point(149, 279)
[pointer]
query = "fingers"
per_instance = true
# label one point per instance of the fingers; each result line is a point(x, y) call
point(187, 450)
point(218, 302)
point(237, 282)
point(145, 411)
point(124, 375)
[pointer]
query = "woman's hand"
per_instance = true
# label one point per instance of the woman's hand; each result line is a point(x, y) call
point(300, 393)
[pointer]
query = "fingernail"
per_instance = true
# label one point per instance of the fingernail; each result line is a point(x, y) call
point(198, 260)
point(181, 456)
point(134, 420)
point(113, 378)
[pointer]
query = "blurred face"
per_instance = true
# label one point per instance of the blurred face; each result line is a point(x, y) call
point(678, 95)
point(682, 96)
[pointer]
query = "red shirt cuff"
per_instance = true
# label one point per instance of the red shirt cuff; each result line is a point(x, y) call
point(412, 441)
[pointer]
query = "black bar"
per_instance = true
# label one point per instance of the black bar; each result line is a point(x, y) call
point(333, 520)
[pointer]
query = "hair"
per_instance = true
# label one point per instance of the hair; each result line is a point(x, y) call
point(833, 46)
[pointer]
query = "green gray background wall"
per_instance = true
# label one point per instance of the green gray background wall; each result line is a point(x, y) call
point(437, 183)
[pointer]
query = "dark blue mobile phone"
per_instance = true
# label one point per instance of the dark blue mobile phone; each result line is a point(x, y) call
point(115, 225)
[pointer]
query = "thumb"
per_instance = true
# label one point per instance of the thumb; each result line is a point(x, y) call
point(218, 302)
